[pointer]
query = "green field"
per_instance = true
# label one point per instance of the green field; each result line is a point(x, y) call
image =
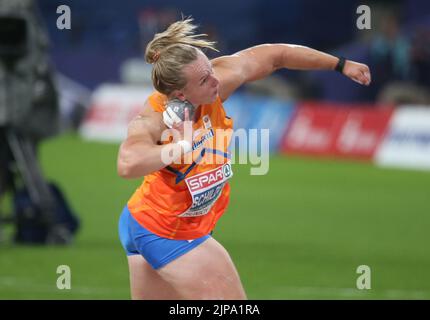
point(298, 232)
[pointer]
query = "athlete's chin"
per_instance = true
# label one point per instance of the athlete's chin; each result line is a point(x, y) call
point(211, 98)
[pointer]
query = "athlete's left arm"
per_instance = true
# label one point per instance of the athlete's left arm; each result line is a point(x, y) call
point(260, 61)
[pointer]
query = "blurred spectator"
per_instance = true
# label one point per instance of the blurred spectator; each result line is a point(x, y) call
point(420, 54)
point(396, 60)
point(152, 21)
point(416, 90)
point(389, 54)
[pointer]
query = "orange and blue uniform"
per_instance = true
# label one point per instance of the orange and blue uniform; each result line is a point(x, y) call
point(184, 201)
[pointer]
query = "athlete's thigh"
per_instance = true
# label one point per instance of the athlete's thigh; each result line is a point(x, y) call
point(146, 283)
point(206, 272)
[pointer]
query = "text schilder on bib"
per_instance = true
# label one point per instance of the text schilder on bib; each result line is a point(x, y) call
point(205, 189)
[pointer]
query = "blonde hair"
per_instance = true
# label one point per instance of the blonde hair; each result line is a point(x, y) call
point(170, 51)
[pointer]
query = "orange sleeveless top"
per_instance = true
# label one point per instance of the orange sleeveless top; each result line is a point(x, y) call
point(185, 200)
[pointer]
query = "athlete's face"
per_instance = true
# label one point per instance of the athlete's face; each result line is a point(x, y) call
point(202, 85)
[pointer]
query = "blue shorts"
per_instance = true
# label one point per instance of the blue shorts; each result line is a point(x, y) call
point(156, 250)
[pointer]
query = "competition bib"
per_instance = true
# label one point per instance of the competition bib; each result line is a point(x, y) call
point(205, 189)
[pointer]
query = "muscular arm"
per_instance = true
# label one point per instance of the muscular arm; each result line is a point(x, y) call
point(140, 154)
point(260, 61)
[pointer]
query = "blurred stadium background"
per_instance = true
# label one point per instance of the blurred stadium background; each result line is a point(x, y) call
point(349, 179)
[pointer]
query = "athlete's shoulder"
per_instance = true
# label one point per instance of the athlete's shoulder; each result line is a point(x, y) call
point(148, 120)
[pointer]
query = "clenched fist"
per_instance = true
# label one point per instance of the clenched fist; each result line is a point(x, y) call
point(357, 72)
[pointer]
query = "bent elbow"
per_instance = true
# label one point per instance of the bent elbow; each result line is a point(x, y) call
point(124, 164)
point(124, 170)
point(130, 171)
point(129, 166)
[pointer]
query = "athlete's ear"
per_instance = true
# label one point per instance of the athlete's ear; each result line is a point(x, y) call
point(179, 95)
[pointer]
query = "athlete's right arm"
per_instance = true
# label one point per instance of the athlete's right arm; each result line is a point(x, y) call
point(140, 154)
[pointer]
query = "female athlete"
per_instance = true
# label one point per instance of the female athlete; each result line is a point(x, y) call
point(166, 226)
